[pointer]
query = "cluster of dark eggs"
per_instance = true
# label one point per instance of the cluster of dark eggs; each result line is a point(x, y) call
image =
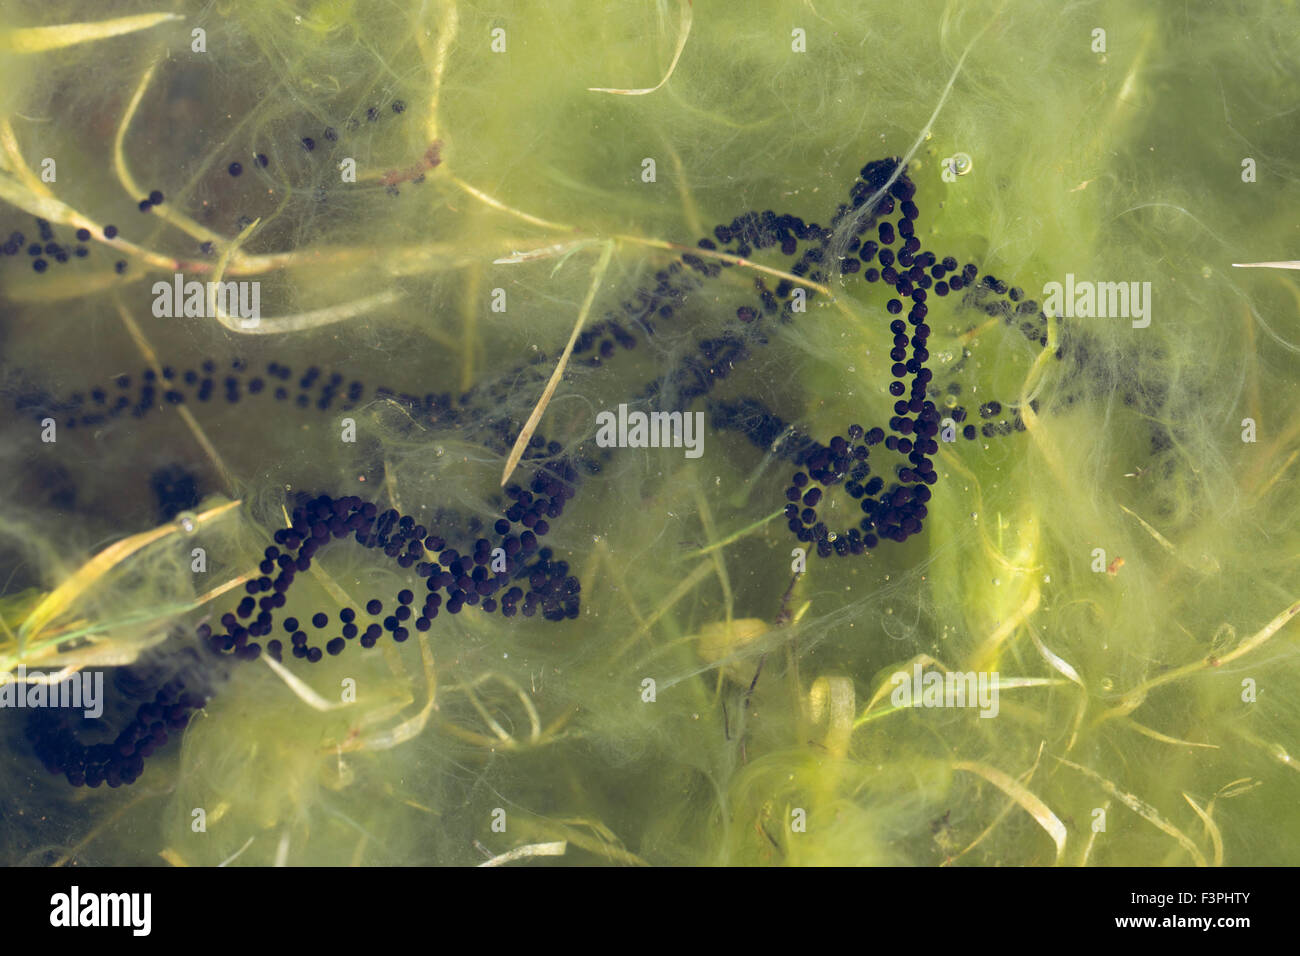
point(896, 514)
point(452, 581)
point(526, 580)
point(895, 511)
point(513, 574)
point(120, 762)
point(329, 134)
point(48, 249)
point(152, 389)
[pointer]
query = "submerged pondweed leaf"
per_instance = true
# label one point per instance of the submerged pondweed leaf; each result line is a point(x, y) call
point(42, 39)
point(684, 32)
point(89, 576)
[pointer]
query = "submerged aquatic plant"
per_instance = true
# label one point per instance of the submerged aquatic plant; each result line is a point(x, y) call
point(471, 237)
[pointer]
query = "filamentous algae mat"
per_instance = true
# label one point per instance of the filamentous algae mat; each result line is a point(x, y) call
point(652, 433)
